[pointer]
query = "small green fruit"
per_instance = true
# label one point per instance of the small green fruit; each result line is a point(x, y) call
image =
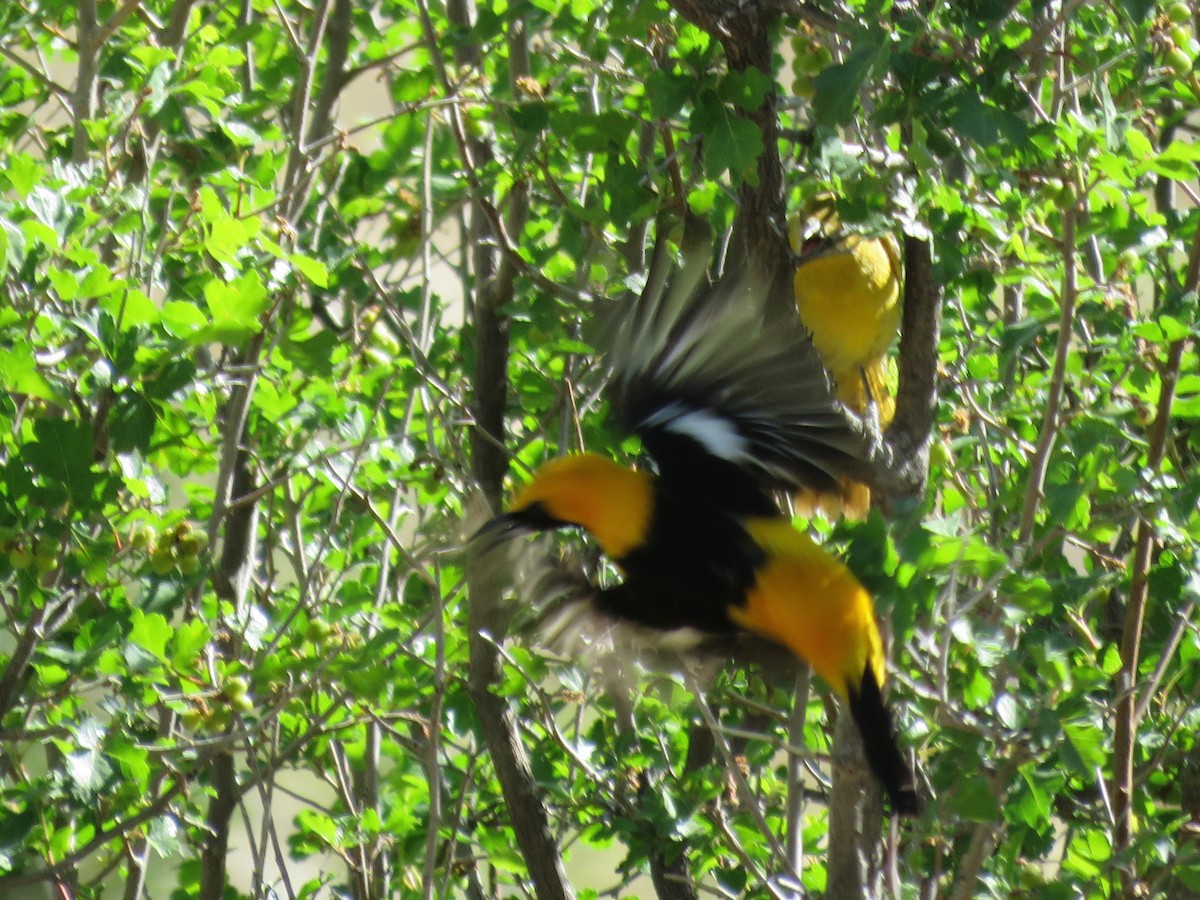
point(1179, 14)
point(191, 544)
point(193, 719)
point(235, 686)
point(162, 561)
point(143, 536)
point(1178, 61)
point(20, 557)
point(317, 630)
point(189, 565)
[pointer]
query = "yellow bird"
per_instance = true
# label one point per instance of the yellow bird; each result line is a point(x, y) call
point(848, 295)
point(731, 413)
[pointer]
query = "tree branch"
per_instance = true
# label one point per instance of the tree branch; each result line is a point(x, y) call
point(494, 284)
point(855, 817)
point(899, 470)
point(1048, 433)
point(337, 51)
point(1125, 731)
point(83, 101)
point(231, 581)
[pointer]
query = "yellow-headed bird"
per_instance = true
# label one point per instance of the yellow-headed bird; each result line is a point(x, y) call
point(730, 413)
point(848, 294)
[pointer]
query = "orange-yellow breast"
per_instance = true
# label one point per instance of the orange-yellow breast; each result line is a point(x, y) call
point(810, 602)
point(613, 503)
point(849, 301)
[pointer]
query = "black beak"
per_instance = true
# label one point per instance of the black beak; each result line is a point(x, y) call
point(523, 521)
point(498, 530)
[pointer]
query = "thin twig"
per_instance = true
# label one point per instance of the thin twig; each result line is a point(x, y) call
point(1048, 433)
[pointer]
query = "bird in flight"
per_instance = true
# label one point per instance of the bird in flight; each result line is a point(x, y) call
point(735, 408)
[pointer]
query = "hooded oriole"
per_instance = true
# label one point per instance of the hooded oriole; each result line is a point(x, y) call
point(730, 412)
point(848, 294)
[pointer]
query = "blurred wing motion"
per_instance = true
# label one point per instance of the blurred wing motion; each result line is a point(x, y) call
point(731, 407)
point(717, 390)
point(848, 295)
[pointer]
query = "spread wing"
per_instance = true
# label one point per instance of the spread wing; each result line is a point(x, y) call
point(718, 390)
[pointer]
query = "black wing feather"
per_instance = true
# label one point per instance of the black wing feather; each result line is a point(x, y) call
point(719, 392)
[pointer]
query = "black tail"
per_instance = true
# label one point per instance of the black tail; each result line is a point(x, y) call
point(874, 723)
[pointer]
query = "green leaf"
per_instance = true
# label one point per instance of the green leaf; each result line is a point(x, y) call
point(134, 762)
point(1138, 145)
point(530, 116)
point(131, 422)
point(23, 172)
point(150, 632)
point(87, 767)
point(19, 375)
point(837, 86)
point(312, 269)
point(133, 309)
point(12, 244)
point(187, 642)
point(165, 837)
point(596, 132)
point(313, 354)
point(62, 455)
point(732, 143)
point(745, 89)
point(669, 92)
point(235, 307)
point(1188, 875)
point(974, 800)
point(182, 319)
point(49, 208)
point(1177, 161)
point(984, 123)
point(1087, 742)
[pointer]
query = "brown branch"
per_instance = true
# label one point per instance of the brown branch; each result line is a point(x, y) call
point(1125, 731)
point(984, 837)
point(855, 818)
point(760, 226)
point(83, 100)
point(1048, 433)
point(296, 176)
point(215, 848)
point(175, 30)
point(37, 74)
point(794, 816)
point(118, 18)
point(16, 672)
point(494, 284)
point(669, 871)
point(896, 468)
point(337, 51)
point(899, 471)
point(231, 581)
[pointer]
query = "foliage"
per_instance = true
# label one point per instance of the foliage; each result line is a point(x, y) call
point(237, 350)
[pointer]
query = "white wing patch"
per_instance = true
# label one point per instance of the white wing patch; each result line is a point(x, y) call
point(715, 433)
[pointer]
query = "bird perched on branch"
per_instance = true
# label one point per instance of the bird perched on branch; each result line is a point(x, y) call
point(848, 294)
point(732, 408)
